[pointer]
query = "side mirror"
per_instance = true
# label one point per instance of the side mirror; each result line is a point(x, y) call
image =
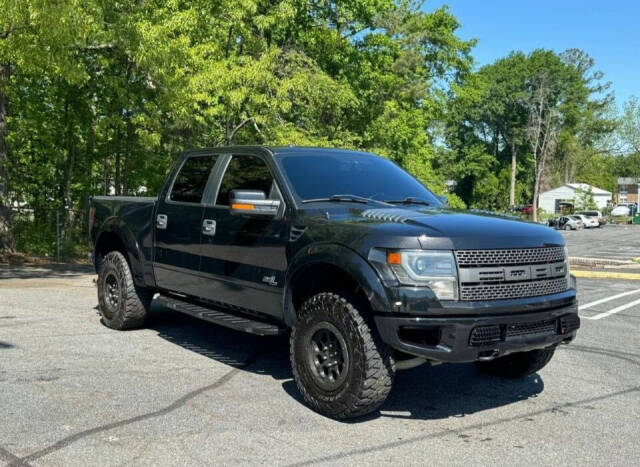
point(444, 200)
point(253, 203)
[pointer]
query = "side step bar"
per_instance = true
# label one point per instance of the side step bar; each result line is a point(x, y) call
point(223, 318)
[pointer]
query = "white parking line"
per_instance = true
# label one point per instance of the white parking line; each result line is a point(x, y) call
point(615, 310)
point(603, 300)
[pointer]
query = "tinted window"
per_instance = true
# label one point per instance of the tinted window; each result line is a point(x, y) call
point(245, 173)
point(192, 178)
point(323, 175)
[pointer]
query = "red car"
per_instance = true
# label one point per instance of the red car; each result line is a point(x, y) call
point(527, 209)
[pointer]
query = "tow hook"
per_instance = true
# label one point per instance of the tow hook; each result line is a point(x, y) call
point(414, 362)
point(488, 354)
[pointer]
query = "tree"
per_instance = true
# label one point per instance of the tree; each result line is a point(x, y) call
point(584, 199)
point(104, 94)
point(506, 107)
point(629, 130)
point(517, 121)
point(542, 129)
point(35, 35)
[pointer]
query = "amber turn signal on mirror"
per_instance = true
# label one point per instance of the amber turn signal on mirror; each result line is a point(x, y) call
point(243, 207)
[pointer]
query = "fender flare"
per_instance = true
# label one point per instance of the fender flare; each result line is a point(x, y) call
point(346, 259)
point(116, 226)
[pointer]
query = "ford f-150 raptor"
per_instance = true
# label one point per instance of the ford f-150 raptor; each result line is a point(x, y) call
point(367, 270)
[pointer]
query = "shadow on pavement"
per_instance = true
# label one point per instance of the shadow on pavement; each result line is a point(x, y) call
point(224, 345)
point(425, 392)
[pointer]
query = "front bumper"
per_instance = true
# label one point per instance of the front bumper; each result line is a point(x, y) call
point(480, 337)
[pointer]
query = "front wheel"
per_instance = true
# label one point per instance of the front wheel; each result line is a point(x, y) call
point(340, 365)
point(123, 305)
point(518, 364)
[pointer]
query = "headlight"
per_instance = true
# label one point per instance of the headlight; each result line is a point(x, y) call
point(431, 268)
point(572, 282)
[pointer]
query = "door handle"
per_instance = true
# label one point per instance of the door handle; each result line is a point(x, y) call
point(161, 221)
point(209, 227)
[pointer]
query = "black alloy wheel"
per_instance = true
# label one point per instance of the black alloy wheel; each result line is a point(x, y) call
point(327, 355)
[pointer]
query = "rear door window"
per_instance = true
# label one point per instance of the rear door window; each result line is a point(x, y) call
point(192, 179)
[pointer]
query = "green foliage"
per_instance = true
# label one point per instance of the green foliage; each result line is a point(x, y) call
point(104, 94)
point(584, 199)
point(489, 127)
point(101, 96)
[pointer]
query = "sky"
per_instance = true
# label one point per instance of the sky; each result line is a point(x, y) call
point(608, 31)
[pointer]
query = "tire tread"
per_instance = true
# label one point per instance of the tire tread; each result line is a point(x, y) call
point(136, 299)
point(379, 372)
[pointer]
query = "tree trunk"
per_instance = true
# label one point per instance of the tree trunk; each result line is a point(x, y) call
point(512, 187)
point(127, 156)
point(118, 181)
point(68, 176)
point(536, 189)
point(6, 237)
point(105, 163)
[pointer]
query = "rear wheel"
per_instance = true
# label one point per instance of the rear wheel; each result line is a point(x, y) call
point(340, 365)
point(567, 227)
point(123, 305)
point(518, 364)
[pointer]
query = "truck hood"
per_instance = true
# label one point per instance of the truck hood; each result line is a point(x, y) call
point(448, 229)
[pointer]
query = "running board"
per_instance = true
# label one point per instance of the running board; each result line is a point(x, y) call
point(223, 318)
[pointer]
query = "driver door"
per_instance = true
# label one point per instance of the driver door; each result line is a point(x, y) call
point(243, 262)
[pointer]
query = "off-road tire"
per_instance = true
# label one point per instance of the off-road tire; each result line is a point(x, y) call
point(369, 365)
point(122, 304)
point(517, 365)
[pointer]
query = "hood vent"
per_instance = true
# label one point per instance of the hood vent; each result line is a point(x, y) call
point(400, 216)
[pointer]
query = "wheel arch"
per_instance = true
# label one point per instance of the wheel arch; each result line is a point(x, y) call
point(115, 236)
point(331, 267)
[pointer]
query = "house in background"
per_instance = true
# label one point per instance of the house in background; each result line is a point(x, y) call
point(552, 201)
point(628, 190)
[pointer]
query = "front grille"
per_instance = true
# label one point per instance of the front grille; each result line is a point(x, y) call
point(483, 335)
point(527, 329)
point(495, 333)
point(479, 258)
point(511, 273)
point(513, 290)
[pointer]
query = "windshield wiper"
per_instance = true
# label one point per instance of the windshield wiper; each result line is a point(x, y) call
point(409, 200)
point(345, 198)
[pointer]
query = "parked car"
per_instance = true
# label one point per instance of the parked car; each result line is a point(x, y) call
point(597, 215)
point(522, 208)
point(566, 223)
point(621, 211)
point(366, 269)
point(579, 223)
point(527, 209)
point(588, 222)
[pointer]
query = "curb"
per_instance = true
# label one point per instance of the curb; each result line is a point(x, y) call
point(606, 275)
point(585, 261)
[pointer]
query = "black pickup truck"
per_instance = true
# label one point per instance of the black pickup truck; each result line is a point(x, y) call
point(366, 269)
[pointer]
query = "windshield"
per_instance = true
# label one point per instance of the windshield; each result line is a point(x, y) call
point(319, 176)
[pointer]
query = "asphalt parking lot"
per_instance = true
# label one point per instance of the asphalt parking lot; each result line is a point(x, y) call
point(185, 392)
point(616, 242)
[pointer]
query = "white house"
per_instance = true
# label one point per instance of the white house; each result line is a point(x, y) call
point(550, 201)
